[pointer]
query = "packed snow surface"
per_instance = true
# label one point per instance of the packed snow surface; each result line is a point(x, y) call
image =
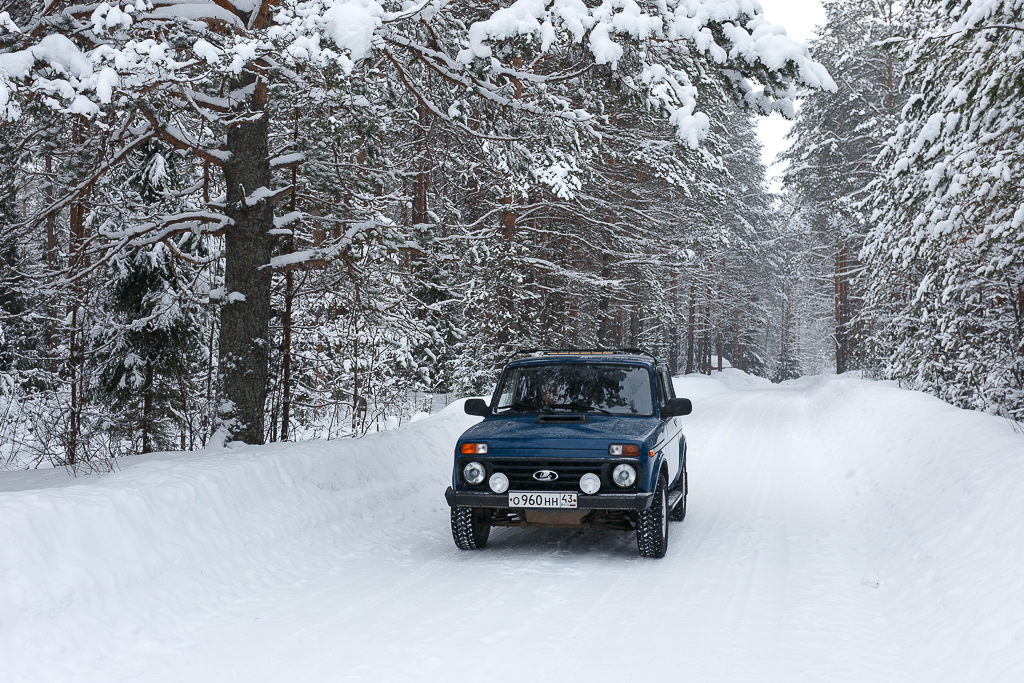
point(838, 530)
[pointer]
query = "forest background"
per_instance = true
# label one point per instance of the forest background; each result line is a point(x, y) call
point(256, 220)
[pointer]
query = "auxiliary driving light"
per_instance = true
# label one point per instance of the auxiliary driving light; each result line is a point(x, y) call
point(590, 483)
point(624, 475)
point(498, 482)
point(474, 473)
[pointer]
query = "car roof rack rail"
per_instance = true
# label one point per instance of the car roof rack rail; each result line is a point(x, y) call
point(583, 352)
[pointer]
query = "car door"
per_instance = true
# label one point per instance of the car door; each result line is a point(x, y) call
point(668, 444)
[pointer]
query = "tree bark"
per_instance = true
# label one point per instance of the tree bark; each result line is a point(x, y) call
point(147, 410)
point(51, 264)
point(245, 322)
point(690, 324)
point(77, 260)
point(843, 308)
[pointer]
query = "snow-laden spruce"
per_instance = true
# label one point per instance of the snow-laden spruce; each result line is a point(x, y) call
point(947, 250)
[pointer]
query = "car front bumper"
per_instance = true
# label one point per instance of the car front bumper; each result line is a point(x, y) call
point(598, 501)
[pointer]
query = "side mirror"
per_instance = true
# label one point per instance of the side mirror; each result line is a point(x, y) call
point(674, 407)
point(476, 406)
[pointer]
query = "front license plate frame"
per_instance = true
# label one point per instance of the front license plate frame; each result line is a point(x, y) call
point(557, 500)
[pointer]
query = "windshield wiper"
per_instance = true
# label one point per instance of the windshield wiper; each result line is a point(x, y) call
point(579, 407)
point(522, 408)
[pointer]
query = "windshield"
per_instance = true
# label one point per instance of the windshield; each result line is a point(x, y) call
point(610, 389)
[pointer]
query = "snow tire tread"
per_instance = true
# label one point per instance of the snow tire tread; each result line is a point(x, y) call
point(652, 525)
point(470, 528)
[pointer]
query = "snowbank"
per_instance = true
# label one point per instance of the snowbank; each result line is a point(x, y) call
point(838, 529)
point(928, 494)
point(698, 386)
point(937, 490)
point(170, 536)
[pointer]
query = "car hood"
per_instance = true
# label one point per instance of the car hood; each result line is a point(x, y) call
point(516, 433)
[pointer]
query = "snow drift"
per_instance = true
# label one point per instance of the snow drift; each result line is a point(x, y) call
point(173, 535)
point(838, 529)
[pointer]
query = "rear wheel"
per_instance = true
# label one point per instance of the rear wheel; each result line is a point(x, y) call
point(471, 527)
point(652, 524)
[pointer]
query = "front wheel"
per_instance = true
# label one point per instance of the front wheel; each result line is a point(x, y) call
point(471, 527)
point(652, 524)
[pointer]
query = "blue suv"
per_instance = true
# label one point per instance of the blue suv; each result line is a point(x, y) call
point(574, 439)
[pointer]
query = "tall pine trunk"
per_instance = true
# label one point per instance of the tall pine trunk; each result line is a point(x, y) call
point(690, 325)
point(843, 308)
point(146, 423)
point(245, 320)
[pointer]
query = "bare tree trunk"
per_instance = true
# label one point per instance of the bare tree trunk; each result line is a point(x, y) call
point(51, 263)
point(146, 423)
point(673, 331)
point(184, 422)
point(76, 342)
point(691, 322)
point(286, 353)
point(842, 308)
point(421, 182)
point(245, 316)
point(289, 302)
point(604, 322)
point(738, 361)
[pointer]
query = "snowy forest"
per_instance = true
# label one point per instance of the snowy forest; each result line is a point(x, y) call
point(256, 220)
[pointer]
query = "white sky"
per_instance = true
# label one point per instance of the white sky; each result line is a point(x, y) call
point(799, 18)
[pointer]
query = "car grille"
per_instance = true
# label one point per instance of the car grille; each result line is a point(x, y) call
point(520, 472)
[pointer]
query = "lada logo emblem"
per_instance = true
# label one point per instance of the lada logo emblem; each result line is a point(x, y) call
point(545, 475)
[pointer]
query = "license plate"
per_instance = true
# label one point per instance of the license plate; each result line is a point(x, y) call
point(541, 499)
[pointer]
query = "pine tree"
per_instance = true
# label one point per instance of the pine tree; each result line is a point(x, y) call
point(946, 255)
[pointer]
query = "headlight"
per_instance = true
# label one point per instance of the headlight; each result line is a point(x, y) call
point(624, 475)
point(474, 473)
point(590, 483)
point(498, 482)
point(630, 450)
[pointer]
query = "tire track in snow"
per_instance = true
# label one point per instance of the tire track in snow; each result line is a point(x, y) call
point(783, 563)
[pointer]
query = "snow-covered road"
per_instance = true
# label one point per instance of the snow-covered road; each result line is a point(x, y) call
point(838, 529)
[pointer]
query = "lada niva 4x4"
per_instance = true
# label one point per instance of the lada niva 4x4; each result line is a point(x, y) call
point(577, 439)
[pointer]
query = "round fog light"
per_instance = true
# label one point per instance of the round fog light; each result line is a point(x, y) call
point(474, 473)
point(624, 475)
point(498, 482)
point(590, 483)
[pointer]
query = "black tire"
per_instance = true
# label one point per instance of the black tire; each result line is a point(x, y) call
point(678, 513)
point(471, 527)
point(652, 524)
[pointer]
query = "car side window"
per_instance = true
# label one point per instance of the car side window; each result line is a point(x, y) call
point(661, 387)
point(670, 390)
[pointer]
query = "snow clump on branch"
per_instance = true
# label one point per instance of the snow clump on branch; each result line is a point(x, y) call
point(749, 39)
point(350, 25)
